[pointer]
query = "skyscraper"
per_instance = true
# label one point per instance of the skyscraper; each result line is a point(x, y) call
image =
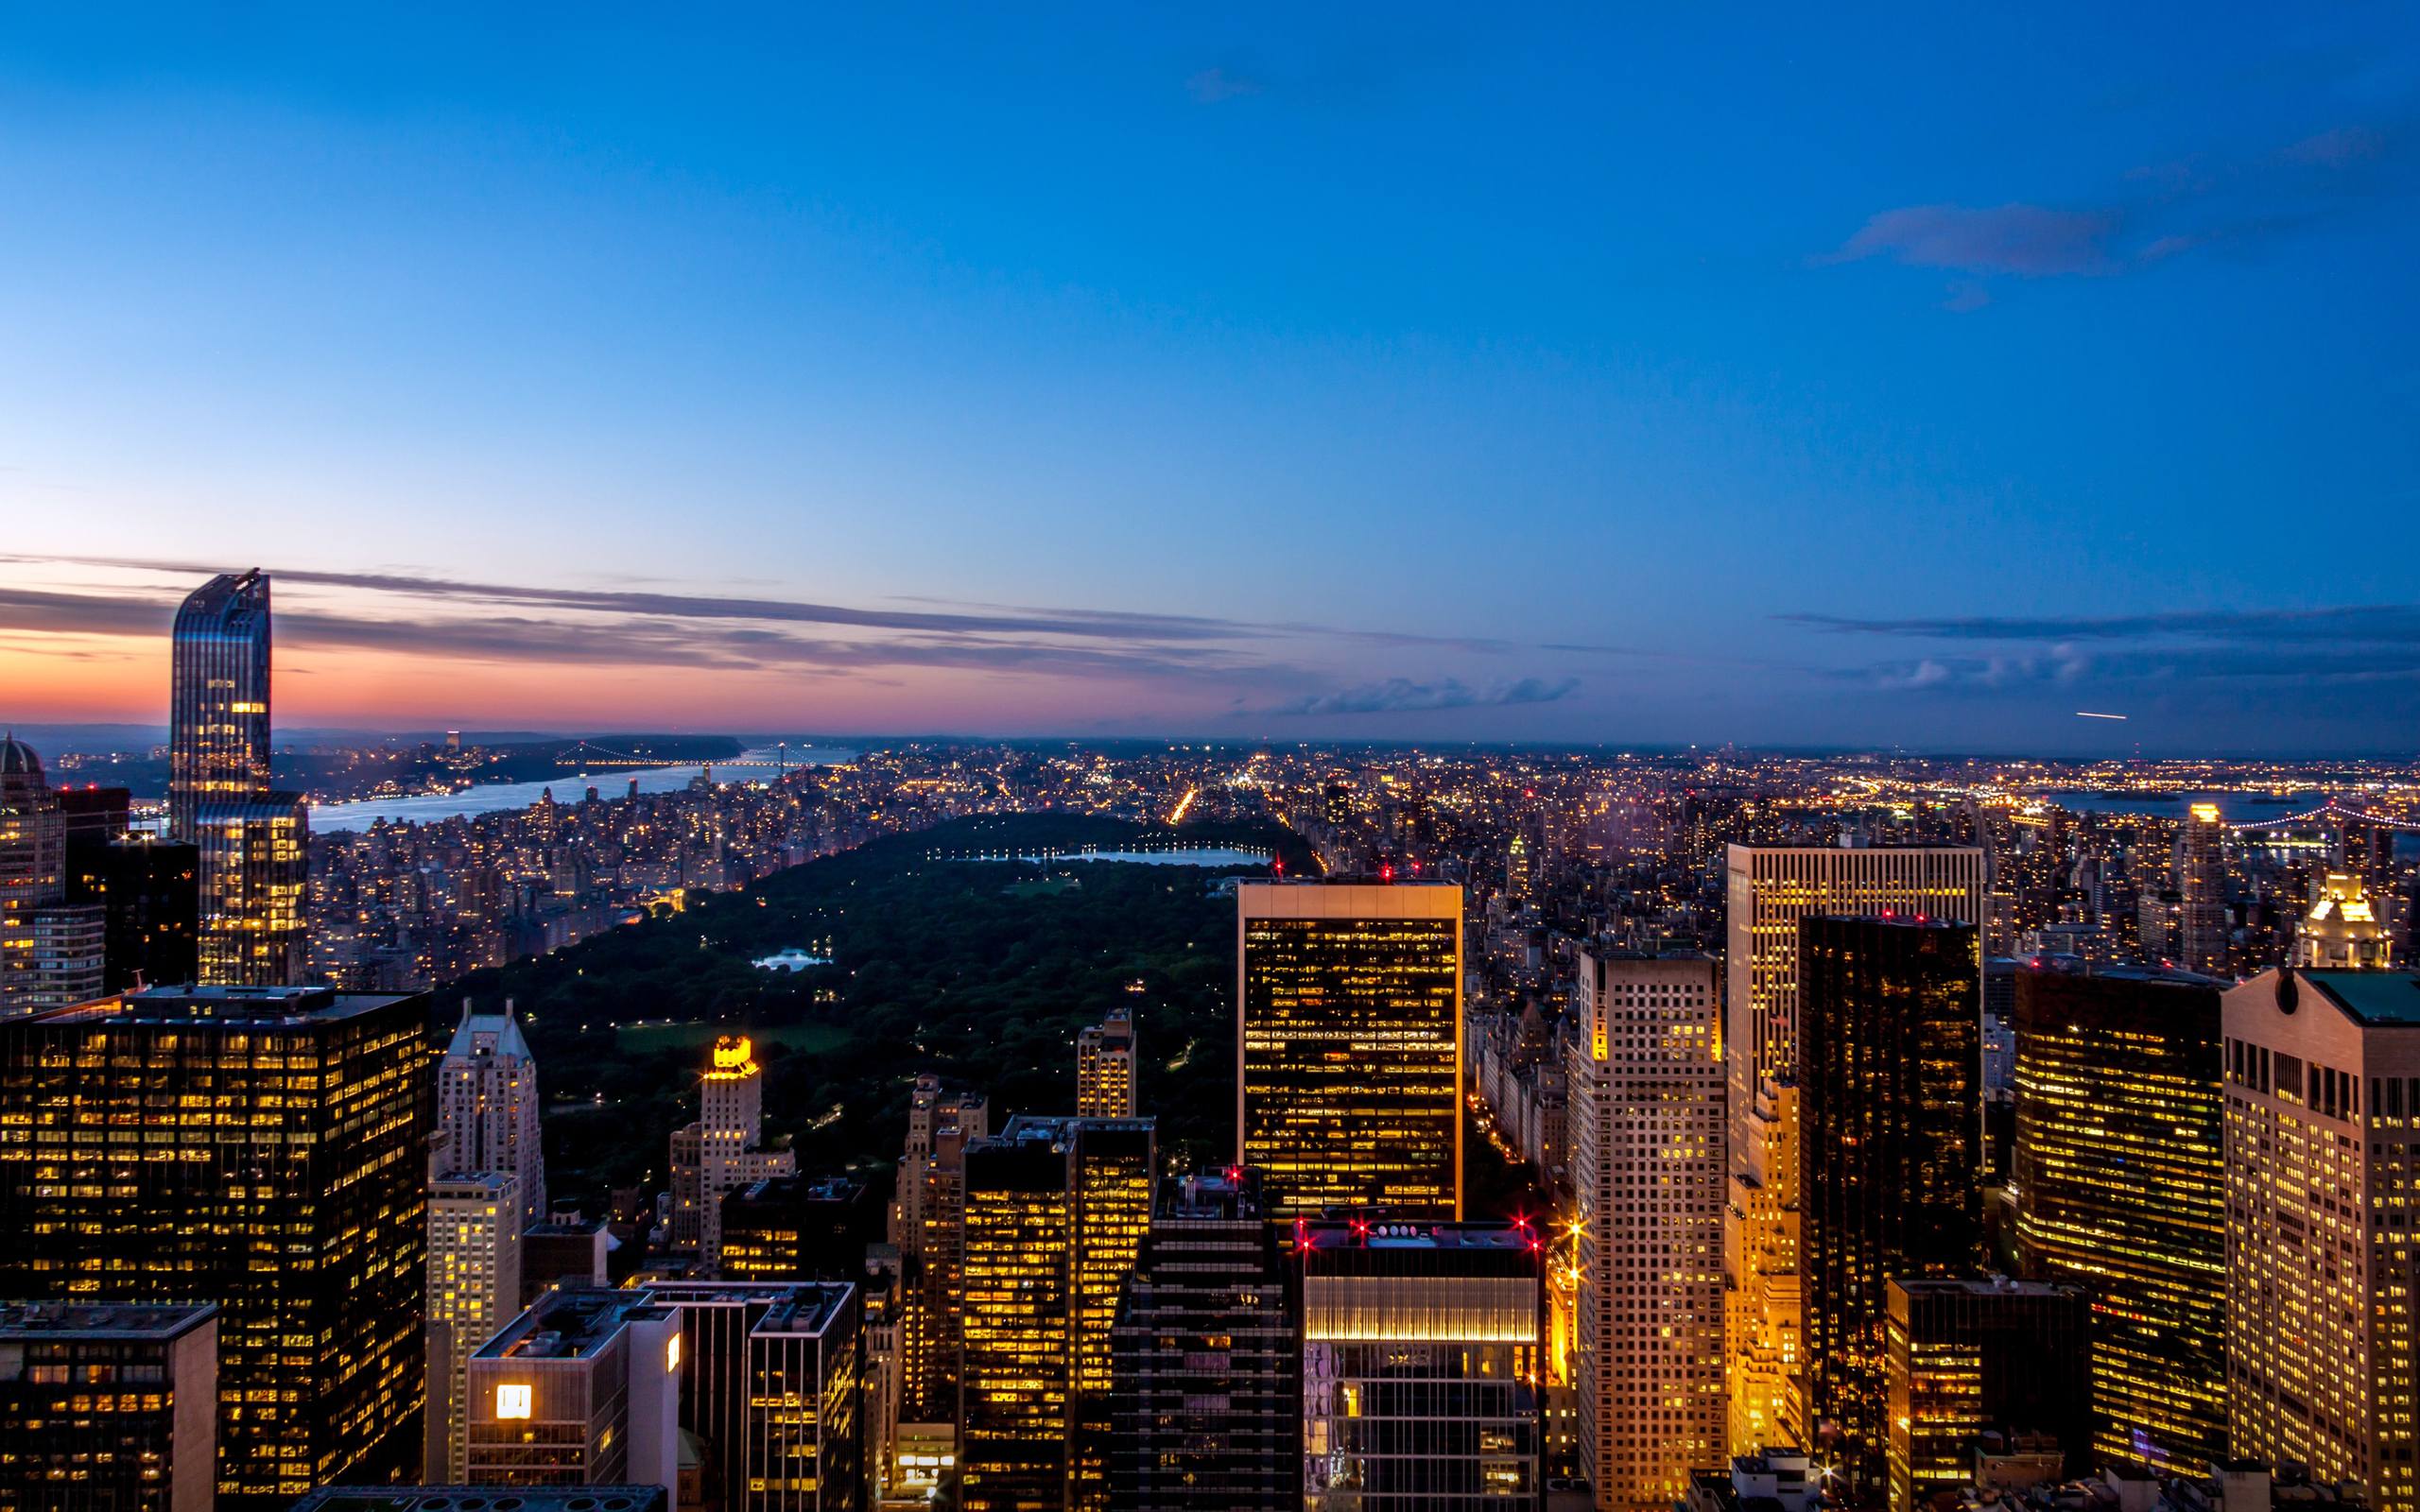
point(1966, 1357)
point(1890, 1188)
point(1055, 1212)
point(1105, 1068)
point(218, 717)
point(488, 1107)
point(279, 1173)
point(475, 1233)
point(1424, 1349)
point(1769, 889)
point(723, 1148)
point(109, 1408)
point(2202, 886)
point(1647, 1136)
point(1206, 1373)
point(2323, 1154)
point(2120, 1182)
point(929, 1227)
point(1349, 1050)
point(2342, 931)
point(253, 841)
point(52, 952)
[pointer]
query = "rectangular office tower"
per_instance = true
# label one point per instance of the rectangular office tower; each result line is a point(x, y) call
point(1891, 1174)
point(582, 1390)
point(772, 1387)
point(258, 1147)
point(2119, 1179)
point(253, 839)
point(1055, 1212)
point(1970, 1357)
point(1105, 1068)
point(1769, 889)
point(1422, 1356)
point(2323, 1151)
point(109, 1408)
point(1647, 1161)
point(1349, 1045)
point(1205, 1370)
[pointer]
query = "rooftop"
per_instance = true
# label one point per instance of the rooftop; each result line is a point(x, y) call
point(110, 1320)
point(484, 1499)
point(247, 1006)
point(570, 1323)
point(2371, 997)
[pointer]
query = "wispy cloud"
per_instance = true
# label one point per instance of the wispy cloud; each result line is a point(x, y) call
point(2156, 212)
point(2357, 622)
point(1213, 85)
point(1403, 696)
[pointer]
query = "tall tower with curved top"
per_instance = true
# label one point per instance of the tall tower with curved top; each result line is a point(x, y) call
point(255, 861)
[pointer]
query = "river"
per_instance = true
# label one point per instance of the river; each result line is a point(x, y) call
point(489, 798)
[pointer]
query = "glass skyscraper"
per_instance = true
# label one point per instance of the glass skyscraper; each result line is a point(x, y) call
point(1349, 1053)
point(255, 861)
point(2119, 1177)
point(1889, 1058)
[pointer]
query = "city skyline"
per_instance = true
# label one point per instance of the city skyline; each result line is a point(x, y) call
point(1330, 379)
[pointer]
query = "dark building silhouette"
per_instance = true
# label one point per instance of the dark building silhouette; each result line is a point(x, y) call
point(793, 1229)
point(276, 1170)
point(1967, 1357)
point(1205, 1370)
point(111, 1407)
point(2122, 1177)
point(1891, 1176)
point(151, 898)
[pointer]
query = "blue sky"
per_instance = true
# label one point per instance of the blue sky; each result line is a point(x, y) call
point(1864, 377)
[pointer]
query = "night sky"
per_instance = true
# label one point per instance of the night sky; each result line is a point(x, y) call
point(1786, 376)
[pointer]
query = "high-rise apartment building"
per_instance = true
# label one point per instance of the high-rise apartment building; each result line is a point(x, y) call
point(1891, 1176)
point(278, 1172)
point(2119, 1183)
point(2201, 890)
point(1206, 1373)
point(1967, 1357)
point(928, 1225)
point(1769, 889)
point(109, 1407)
point(723, 1149)
point(1349, 1045)
point(474, 1289)
point(488, 1108)
point(1423, 1360)
point(1055, 1212)
point(2323, 1161)
point(1646, 1081)
point(253, 841)
point(1105, 1068)
point(53, 953)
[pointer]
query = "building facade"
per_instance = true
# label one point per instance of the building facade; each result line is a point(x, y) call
point(1055, 1212)
point(723, 1149)
point(1768, 890)
point(2119, 1177)
point(280, 1175)
point(1646, 1086)
point(253, 839)
point(2323, 1154)
point(488, 1107)
point(1890, 1188)
point(1349, 1045)
point(2202, 892)
point(111, 1407)
point(474, 1289)
point(584, 1389)
point(53, 953)
point(1422, 1358)
point(1205, 1370)
point(1967, 1357)
point(1105, 1068)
